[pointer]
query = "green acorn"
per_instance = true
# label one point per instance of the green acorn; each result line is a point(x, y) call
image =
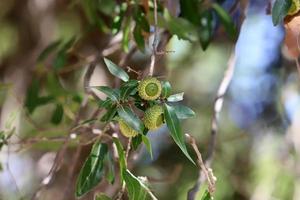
point(154, 117)
point(126, 130)
point(295, 7)
point(149, 88)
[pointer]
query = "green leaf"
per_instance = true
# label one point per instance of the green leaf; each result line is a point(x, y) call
point(111, 93)
point(110, 113)
point(147, 143)
point(206, 28)
point(68, 44)
point(110, 175)
point(49, 49)
point(44, 100)
point(130, 118)
point(126, 35)
point(206, 196)
point(117, 22)
point(129, 88)
point(90, 8)
point(92, 171)
point(121, 153)
point(32, 96)
point(175, 129)
point(106, 103)
point(60, 60)
point(175, 97)
point(280, 10)
point(136, 141)
point(2, 139)
point(189, 10)
point(140, 18)
point(166, 89)
point(225, 20)
point(102, 197)
point(137, 190)
point(183, 112)
point(58, 114)
point(116, 70)
point(181, 27)
point(138, 37)
point(54, 86)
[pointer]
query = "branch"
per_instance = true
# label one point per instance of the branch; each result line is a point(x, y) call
point(211, 179)
point(155, 39)
point(218, 104)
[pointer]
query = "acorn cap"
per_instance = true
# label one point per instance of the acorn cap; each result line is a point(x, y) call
point(125, 129)
point(154, 117)
point(149, 88)
point(295, 7)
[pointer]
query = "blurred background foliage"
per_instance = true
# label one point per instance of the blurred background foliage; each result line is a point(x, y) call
point(45, 49)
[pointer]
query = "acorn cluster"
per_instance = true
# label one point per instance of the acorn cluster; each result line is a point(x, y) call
point(138, 106)
point(149, 89)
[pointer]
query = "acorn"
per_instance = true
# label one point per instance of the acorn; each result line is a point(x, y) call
point(154, 117)
point(295, 7)
point(149, 88)
point(126, 130)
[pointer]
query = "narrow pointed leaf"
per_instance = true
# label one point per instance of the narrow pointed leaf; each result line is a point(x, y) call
point(137, 190)
point(136, 141)
point(138, 37)
point(116, 70)
point(121, 153)
point(130, 118)
point(206, 196)
point(110, 113)
point(226, 20)
point(183, 112)
point(57, 114)
point(110, 176)
point(105, 103)
point(49, 49)
point(166, 89)
point(206, 28)
point(111, 93)
point(92, 171)
point(126, 34)
point(173, 124)
point(280, 10)
point(102, 197)
point(175, 97)
point(148, 146)
point(129, 88)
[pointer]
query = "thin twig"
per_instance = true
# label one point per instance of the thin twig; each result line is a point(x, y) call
point(218, 104)
point(211, 180)
point(155, 38)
